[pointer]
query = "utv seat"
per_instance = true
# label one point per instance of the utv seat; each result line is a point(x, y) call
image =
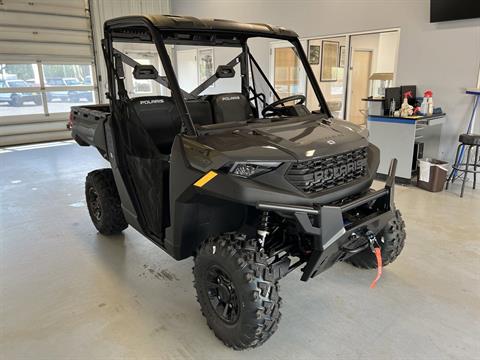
point(229, 107)
point(159, 117)
point(200, 111)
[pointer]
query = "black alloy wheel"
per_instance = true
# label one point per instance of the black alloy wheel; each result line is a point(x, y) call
point(222, 295)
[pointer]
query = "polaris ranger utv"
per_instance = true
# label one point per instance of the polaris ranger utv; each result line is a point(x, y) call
point(235, 171)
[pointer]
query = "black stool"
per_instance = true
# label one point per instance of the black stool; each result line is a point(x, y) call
point(469, 141)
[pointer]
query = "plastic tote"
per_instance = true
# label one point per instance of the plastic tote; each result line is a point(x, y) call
point(432, 174)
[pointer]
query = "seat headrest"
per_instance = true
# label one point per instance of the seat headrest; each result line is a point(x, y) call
point(159, 117)
point(229, 107)
point(150, 100)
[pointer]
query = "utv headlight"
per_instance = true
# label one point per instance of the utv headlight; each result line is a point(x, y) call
point(250, 169)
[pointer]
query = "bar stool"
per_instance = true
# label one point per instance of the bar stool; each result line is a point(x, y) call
point(471, 141)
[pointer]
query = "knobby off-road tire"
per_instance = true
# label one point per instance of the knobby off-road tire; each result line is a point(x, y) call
point(393, 241)
point(232, 268)
point(104, 203)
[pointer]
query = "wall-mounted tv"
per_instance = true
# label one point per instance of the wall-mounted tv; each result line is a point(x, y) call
point(445, 10)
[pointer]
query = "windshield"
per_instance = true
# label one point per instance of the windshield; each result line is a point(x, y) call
point(196, 66)
point(240, 80)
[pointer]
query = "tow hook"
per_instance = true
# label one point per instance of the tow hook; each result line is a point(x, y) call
point(372, 240)
point(377, 250)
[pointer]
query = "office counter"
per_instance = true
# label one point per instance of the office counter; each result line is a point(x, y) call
point(396, 137)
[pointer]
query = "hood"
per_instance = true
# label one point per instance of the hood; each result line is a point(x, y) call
point(288, 140)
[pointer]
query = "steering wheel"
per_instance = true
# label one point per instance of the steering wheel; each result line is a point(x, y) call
point(273, 109)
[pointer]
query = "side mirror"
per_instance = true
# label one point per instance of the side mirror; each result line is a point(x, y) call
point(145, 72)
point(225, 71)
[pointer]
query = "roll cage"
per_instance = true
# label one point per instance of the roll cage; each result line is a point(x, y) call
point(163, 30)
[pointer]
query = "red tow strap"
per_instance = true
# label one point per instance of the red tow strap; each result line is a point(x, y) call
point(378, 255)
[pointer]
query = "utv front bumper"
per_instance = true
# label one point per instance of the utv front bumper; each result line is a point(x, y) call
point(329, 225)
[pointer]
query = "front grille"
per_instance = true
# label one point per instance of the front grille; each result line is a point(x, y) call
point(328, 172)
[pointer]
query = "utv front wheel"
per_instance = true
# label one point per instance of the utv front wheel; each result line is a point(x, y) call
point(104, 203)
point(391, 240)
point(237, 292)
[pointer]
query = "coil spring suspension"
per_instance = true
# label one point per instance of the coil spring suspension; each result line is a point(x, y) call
point(263, 228)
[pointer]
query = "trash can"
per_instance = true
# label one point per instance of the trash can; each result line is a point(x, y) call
point(432, 174)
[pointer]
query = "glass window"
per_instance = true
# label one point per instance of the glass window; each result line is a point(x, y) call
point(61, 101)
point(13, 72)
point(68, 77)
point(72, 82)
point(59, 74)
point(14, 98)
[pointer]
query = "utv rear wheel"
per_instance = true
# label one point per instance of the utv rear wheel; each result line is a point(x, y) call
point(237, 291)
point(104, 203)
point(393, 236)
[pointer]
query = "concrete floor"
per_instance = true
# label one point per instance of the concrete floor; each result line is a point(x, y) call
point(68, 292)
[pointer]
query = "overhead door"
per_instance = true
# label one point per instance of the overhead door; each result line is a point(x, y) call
point(46, 66)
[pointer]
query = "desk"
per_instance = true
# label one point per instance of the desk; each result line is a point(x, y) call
point(396, 137)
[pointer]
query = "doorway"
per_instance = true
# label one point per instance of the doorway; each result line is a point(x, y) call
point(187, 62)
point(361, 68)
point(372, 54)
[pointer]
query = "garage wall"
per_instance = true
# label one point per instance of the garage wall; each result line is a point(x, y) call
point(103, 10)
point(44, 29)
point(32, 34)
point(55, 32)
point(444, 57)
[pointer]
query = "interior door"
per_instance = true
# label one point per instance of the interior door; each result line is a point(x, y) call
point(286, 72)
point(360, 72)
point(187, 69)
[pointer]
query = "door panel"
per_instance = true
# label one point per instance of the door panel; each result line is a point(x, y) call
point(286, 78)
point(361, 69)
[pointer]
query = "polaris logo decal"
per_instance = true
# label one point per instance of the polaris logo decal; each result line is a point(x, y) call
point(340, 171)
point(331, 142)
point(230, 98)
point(153, 101)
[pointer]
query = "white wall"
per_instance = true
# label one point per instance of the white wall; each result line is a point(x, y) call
point(47, 31)
point(444, 57)
point(387, 52)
